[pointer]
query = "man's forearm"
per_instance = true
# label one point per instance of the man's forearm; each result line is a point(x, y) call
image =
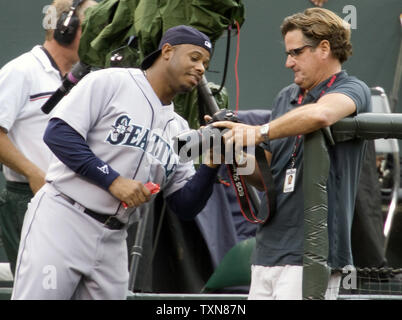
point(72, 149)
point(11, 157)
point(15, 160)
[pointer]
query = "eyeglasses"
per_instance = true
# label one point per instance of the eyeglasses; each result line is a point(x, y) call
point(298, 51)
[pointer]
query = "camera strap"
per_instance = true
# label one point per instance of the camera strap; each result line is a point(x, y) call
point(243, 192)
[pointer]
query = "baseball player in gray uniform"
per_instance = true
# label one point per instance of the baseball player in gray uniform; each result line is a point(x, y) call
point(111, 135)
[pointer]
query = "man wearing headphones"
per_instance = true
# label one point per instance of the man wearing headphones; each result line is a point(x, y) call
point(26, 83)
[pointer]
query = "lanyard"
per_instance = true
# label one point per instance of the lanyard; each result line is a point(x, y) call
point(298, 138)
point(293, 158)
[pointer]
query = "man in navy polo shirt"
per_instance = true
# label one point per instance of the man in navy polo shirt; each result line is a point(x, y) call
point(317, 42)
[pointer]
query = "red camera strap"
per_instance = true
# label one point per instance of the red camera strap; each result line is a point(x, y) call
point(243, 194)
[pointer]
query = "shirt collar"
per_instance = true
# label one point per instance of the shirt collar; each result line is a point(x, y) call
point(44, 60)
point(315, 93)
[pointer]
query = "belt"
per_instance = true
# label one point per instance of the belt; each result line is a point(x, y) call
point(18, 186)
point(108, 221)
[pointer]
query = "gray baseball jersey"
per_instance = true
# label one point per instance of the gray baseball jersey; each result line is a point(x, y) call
point(126, 126)
point(124, 123)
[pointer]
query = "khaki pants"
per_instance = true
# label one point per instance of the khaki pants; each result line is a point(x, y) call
point(285, 283)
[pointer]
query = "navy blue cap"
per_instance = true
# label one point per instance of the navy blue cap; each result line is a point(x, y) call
point(178, 35)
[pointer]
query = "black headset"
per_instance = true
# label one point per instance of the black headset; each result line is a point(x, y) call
point(68, 24)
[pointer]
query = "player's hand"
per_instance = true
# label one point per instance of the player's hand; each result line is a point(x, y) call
point(240, 134)
point(208, 158)
point(36, 180)
point(207, 118)
point(129, 191)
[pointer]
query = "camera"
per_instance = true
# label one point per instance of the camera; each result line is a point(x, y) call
point(191, 144)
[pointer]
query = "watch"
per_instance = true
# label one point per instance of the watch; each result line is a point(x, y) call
point(264, 129)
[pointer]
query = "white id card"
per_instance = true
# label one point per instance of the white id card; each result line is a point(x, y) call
point(290, 180)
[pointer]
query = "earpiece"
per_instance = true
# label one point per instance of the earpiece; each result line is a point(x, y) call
point(68, 24)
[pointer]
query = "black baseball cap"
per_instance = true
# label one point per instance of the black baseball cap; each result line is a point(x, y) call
point(178, 35)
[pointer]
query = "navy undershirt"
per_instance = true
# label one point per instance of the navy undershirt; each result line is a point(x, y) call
point(71, 149)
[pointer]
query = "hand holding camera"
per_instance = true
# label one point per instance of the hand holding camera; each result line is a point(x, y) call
point(191, 144)
point(240, 133)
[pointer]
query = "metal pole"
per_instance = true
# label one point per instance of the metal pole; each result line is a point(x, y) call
point(397, 78)
point(394, 200)
point(136, 251)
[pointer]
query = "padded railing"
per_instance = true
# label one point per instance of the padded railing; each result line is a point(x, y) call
point(364, 126)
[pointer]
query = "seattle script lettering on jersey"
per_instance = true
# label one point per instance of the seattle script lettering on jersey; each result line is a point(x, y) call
point(126, 133)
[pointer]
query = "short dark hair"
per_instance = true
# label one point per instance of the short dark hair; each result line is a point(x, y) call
point(319, 24)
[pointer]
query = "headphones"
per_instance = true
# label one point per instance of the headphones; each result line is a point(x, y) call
point(68, 24)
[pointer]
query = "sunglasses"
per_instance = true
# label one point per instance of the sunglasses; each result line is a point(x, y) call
point(298, 51)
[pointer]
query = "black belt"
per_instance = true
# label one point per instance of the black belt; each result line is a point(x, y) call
point(18, 186)
point(108, 221)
